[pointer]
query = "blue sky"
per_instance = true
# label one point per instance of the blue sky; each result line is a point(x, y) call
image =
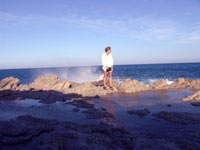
point(56, 33)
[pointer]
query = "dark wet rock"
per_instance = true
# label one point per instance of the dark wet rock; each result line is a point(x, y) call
point(94, 113)
point(46, 97)
point(140, 113)
point(30, 133)
point(186, 144)
point(169, 105)
point(104, 109)
point(195, 133)
point(154, 119)
point(81, 104)
point(76, 109)
point(9, 95)
point(178, 117)
point(147, 143)
point(24, 129)
point(197, 104)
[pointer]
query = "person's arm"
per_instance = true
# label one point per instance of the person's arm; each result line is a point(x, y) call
point(103, 61)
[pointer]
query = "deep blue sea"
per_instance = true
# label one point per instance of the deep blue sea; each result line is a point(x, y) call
point(146, 74)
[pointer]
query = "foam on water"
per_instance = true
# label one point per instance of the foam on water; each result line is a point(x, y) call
point(145, 81)
point(152, 81)
point(76, 74)
point(169, 81)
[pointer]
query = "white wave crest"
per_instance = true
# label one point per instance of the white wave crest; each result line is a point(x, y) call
point(76, 74)
point(152, 81)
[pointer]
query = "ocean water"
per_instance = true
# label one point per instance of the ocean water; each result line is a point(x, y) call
point(146, 74)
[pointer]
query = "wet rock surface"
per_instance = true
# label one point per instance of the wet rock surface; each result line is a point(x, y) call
point(46, 97)
point(76, 109)
point(140, 113)
point(81, 104)
point(197, 104)
point(29, 133)
point(169, 105)
point(92, 112)
point(179, 117)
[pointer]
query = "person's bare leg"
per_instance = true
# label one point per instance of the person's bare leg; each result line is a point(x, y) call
point(110, 78)
point(105, 78)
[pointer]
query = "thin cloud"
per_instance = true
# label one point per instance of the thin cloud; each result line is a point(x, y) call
point(194, 35)
point(145, 28)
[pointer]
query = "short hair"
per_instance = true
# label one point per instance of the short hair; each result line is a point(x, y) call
point(107, 48)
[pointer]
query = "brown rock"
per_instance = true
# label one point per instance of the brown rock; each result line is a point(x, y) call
point(50, 82)
point(159, 85)
point(195, 84)
point(24, 87)
point(88, 89)
point(131, 86)
point(181, 83)
point(10, 83)
point(115, 83)
point(194, 97)
point(100, 83)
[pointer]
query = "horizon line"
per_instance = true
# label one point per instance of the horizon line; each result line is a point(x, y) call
point(98, 65)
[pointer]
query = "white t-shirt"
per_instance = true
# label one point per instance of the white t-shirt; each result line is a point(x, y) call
point(107, 60)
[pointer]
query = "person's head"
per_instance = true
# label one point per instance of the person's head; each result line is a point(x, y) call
point(108, 49)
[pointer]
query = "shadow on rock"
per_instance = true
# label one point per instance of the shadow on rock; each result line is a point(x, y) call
point(179, 117)
point(47, 97)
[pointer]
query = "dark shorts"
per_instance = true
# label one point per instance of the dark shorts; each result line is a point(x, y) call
point(109, 70)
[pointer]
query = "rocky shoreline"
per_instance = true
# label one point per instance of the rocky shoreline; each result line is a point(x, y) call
point(28, 132)
point(51, 88)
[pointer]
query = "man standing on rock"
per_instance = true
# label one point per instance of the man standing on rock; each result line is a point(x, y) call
point(107, 62)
